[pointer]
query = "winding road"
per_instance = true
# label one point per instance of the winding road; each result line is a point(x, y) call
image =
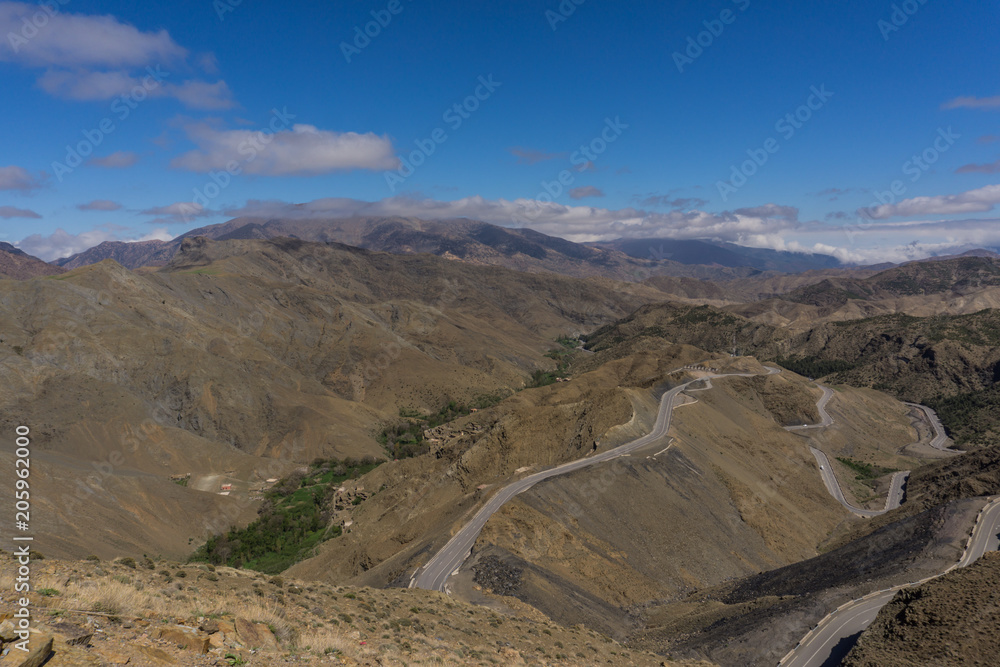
point(825, 644)
point(834, 636)
point(895, 496)
point(893, 500)
point(446, 562)
point(824, 417)
point(940, 437)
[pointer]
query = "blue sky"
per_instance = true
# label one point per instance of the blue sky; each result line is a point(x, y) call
point(588, 121)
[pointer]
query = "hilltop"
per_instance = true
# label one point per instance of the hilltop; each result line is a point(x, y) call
point(156, 612)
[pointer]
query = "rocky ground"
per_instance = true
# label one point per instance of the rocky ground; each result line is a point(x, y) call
point(951, 621)
point(756, 620)
point(98, 613)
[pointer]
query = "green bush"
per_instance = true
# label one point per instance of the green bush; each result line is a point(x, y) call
point(292, 521)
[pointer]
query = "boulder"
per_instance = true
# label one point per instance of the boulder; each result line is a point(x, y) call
point(7, 633)
point(157, 656)
point(184, 637)
point(39, 650)
point(73, 634)
point(255, 635)
point(209, 625)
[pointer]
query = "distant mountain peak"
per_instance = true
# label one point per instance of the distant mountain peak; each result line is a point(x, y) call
point(19, 265)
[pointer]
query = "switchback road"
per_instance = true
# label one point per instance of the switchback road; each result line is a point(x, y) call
point(895, 496)
point(435, 574)
point(893, 500)
point(940, 437)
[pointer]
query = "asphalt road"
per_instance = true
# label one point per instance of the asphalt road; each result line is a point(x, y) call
point(435, 574)
point(940, 440)
point(824, 417)
point(893, 499)
point(895, 496)
point(833, 637)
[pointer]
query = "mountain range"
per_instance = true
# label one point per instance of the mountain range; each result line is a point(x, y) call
point(272, 396)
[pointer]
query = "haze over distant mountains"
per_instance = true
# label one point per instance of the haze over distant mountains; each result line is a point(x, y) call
point(480, 243)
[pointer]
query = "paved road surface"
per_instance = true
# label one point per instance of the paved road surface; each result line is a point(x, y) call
point(824, 417)
point(893, 500)
point(435, 574)
point(830, 640)
point(895, 496)
point(940, 440)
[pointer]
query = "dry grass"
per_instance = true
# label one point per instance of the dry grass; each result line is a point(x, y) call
point(110, 596)
point(267, 612)
point(310, 620)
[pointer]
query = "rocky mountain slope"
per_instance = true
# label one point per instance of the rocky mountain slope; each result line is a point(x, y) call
point(949, 361)
point(132, 255)
point(465, 240)
point(475, 242)
point(242, 359)
point(19, 265)
point(949, 621)
point(721, 254)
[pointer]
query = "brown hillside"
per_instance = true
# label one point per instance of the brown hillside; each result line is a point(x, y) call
point(950, 621)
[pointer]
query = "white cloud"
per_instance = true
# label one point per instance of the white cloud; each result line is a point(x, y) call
point(100, 205)
point(87, 86)
point(77, 40)
point(19, 178)
point(303, 150)
point(972, 201)
point(202, 95)
point(8, 212)
point(93, 85)
point(180, 210)
point(89, 57)
point(116, 160)
point(971, 102)
point(63, 244)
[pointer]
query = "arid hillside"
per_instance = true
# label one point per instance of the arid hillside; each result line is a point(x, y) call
point(243, 359)
point(146, 612)
point(951, 362)
point(950, 621)
point(19, 265)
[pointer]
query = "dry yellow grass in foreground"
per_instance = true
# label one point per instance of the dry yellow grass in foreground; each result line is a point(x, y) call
point(161, 613)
